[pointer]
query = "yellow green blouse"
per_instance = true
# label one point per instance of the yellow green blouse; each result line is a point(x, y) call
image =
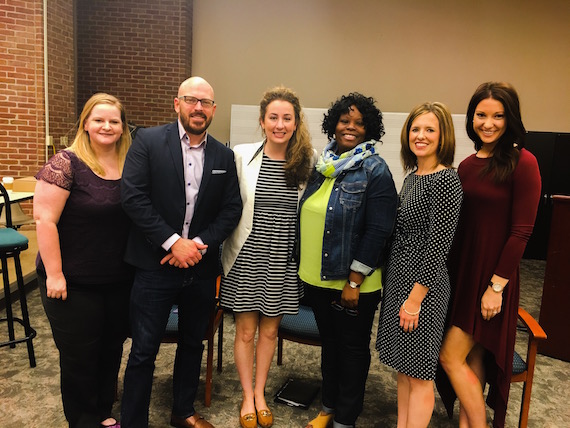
point(313, 215)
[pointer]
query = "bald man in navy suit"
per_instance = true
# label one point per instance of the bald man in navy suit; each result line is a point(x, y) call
point(180, 189)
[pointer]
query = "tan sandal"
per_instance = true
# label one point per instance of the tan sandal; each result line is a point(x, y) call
point(323, 420)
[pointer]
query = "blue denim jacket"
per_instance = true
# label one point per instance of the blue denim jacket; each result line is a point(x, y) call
point(359, 220)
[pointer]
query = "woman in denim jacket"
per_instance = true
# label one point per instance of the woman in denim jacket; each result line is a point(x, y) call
point(346, 217)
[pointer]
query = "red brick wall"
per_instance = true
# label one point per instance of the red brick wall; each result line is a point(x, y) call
point(139, 51)
point(22, 126)
point(61, 71)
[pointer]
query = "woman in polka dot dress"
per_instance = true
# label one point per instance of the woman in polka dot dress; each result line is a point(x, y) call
point(417, 289)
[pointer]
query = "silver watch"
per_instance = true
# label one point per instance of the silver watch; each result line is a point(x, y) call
point(496, 287)
point(353, 284)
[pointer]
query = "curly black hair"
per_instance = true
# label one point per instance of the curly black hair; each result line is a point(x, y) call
point(371, 115)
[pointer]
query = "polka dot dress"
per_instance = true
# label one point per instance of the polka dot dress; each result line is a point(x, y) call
point(425, 225)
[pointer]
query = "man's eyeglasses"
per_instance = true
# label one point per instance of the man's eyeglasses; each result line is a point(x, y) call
point(206, 103)
point(349, 311)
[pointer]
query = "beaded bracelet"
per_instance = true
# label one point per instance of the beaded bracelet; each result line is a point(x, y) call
point(410, 313)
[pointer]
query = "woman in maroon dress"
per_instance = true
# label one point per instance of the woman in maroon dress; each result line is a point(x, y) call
point(501, 187)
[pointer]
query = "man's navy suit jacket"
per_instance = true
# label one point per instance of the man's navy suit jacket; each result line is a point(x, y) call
point(153, 195)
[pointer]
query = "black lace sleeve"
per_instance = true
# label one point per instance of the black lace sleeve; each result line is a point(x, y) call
point(58, 171)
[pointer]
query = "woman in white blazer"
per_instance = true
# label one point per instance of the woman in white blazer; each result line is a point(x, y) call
point(260, 282)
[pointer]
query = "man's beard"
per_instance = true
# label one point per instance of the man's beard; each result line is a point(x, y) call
point(191, 129)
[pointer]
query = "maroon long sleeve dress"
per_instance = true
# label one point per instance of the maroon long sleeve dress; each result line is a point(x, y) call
point(495, 224)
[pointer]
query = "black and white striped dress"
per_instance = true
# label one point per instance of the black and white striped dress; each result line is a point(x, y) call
point(264, 276)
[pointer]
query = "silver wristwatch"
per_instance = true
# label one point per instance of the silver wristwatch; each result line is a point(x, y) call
point(496, 287)
point(353, 284)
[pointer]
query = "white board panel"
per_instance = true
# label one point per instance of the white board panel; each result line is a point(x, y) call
point(245, 128)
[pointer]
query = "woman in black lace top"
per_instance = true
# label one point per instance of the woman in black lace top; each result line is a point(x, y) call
point(84, 283)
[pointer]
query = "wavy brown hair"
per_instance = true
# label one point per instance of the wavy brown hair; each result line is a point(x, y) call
point(506, 152)
point(298, 165)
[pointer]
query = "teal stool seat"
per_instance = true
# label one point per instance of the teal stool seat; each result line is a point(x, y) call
point(12, 240)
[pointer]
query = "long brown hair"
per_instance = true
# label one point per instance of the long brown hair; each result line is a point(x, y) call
point(299, 149)
point(506, 152)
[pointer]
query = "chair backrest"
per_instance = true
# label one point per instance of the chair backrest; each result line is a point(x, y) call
point(300, 328)
point(171, 333)
point(19, 217)
point(6, 209)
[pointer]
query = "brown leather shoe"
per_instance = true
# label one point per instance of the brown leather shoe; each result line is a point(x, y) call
point(265, 418)
point(199, 422)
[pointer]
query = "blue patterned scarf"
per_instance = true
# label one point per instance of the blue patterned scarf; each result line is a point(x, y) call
point(331, 165)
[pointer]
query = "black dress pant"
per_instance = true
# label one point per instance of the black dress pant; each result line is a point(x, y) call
point(89, 329)
point(345, 353)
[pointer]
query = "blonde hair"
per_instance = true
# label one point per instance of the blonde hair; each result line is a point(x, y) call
point(299, 149)
point(81, 145)
point(446, 146)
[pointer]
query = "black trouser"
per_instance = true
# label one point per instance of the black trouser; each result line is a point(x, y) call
point(345, 354)
point(89, 329)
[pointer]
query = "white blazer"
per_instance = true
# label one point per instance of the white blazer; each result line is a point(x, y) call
point(248, 159)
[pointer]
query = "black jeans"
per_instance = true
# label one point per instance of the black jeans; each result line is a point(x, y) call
point(345, 354)
point(154, 293)
point(89, 329)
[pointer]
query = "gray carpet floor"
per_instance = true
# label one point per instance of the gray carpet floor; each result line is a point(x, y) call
point(31, 398)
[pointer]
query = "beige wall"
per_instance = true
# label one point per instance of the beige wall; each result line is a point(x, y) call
point(400, 52)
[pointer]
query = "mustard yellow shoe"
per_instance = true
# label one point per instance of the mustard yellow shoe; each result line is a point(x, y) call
point(323, 420)
point(248, 421)
point(265, 418)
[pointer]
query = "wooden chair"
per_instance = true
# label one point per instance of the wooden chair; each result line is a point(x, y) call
point(216, 324)
point(300, 328)
point(523, 370)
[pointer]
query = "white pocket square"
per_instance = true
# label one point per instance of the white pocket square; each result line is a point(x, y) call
point(218, 171)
